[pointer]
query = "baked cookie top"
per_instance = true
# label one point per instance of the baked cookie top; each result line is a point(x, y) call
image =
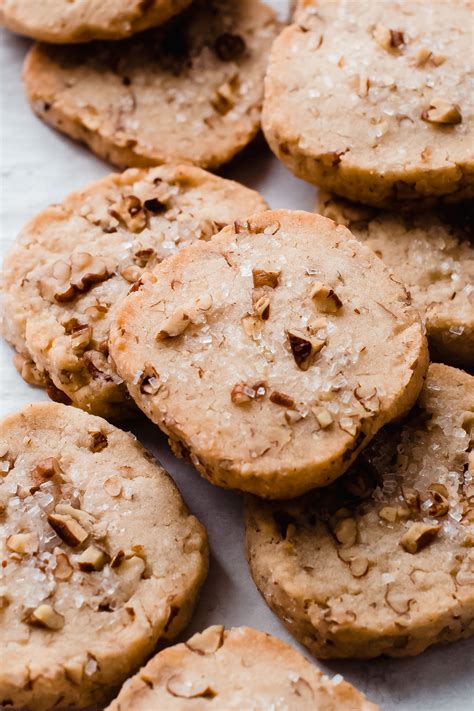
point(373, 100)
point(235, 669)
point(433, 253)
point(383, 561)
point(63, 21)
point(188, 91)
point(74, 262)
point(100, 557)
point(273, 353)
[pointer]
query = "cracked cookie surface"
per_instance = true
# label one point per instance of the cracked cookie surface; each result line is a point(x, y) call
point(100, 557)
point(382, 562)
point(373, 101)
point(74, 262)
point(63, 21)
point(264, 354)
point(189, 91)
point(432, 252)
point(235, 669)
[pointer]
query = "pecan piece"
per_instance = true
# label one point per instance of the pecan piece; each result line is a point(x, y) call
point(23, 543)
point(46, 616)
point(46, 469)
point(389, 40)
point(174, 326)
point(282, 399)
point(242, 393)
point(207, 642)
point(68, 530)
point(261, 277)
point(442, 112)
point(418, 536)
point(92, 559)
point(304, 348)
point(325, 298)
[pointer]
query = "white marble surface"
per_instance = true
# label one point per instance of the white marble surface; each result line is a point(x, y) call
point(39, 166)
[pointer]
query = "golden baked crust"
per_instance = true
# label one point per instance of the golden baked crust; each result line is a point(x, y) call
point(382, 562)
point(189, 91)
point(372, 100)
point(65, 22)
point(100, 558)
point(235, 670)
point(73, 263)
point(275, 352)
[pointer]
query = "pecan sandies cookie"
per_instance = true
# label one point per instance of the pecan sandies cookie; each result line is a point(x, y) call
point(100, 558)
point(432, 252)
point(235, 669)
point(273, 353)
point(382, 562)
point(373, 100)
point(73, 263)
point(189, 91)
point(64, 22)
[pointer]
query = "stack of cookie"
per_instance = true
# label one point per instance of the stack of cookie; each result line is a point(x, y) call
point(284, 355)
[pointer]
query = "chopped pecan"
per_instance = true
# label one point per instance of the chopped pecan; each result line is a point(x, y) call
point(98, 441)
point(262, 277)
point(68, 530)
point(304, 348)
point(241, 394)
point(442, 112)
point(261, 305)
point(388, 39)
point(23, 543)
point(282, 399)
point(207, 642)
point(46, 469)
point(174, 326)
point(46, 616)
point(418, 536)
point(325, 298)
point(92, 559)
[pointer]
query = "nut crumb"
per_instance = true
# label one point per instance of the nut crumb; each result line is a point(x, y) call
point(68, 530)
point(261, 277)
point(442, 112)
point(418, 536)
point(47, 617)
point(304, 348)
point(325, 298)
point(280, 398)
point(174, 326)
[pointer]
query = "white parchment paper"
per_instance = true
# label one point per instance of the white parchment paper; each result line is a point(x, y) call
point(38, 167)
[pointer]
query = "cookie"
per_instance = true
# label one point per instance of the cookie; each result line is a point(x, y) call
point(373, 102)
point(237, 669)
point(383, 561)
point(189, 91)
point(100, 558)
point(271, 354)
point(63, 21)
point(75, 261)
point(433, 253)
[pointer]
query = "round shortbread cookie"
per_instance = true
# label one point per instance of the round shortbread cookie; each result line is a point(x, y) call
point(100, 558)
point(63, 21)
point(383, 561)
point(433, 253)
point(235, 670)
point(189, 91)
point(373, 101)
point(271, 354)
point(74, 262)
